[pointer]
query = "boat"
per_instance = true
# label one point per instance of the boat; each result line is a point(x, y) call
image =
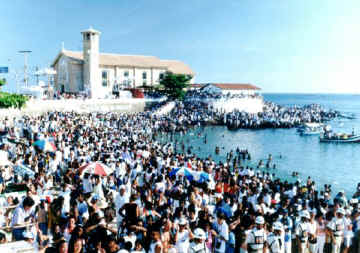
point(340, 138)
point(347, 115)
point(311, 129)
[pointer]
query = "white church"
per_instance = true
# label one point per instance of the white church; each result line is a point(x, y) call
point(99, 74)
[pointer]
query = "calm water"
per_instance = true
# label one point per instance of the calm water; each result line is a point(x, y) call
point(327, 163)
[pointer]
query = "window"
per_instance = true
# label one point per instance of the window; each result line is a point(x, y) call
point(126, 73)
point(161, 76)
point(144, 83)
point(88, 36)
point(105, 79)
point(144, 75)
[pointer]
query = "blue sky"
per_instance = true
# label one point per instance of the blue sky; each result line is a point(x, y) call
point(302, 46)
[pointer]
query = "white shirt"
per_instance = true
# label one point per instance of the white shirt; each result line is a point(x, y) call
point(88, 187)
point(182, 243)
point(337, 226)
point(256, 239)
point(302, 231)
point(276, 243)
point(19, 216)
point(223, 230)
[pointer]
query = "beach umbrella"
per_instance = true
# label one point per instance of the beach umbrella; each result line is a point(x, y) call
point(96, 168)
point(45, 145)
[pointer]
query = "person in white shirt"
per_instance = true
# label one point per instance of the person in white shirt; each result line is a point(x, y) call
point(348, 234)
point(120, 199)
point(302, 232)
point(256, 240)
point(313, 227)
point(183, 236)
point(276, 238)
point(221, 233)
point(21, 216)
point(156, 244)
point(336, 228)
point(198, 245)
point(87, 185)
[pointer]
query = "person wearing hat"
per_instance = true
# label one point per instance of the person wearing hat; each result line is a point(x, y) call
point(313, 228)
point(302, 232)
point(276, 238)
point(336, 228)
point(198, 245)
point(183, 236)
point(257, 239)
point(348, 234)
point(287, 223)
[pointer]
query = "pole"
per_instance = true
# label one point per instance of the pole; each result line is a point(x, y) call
point(37, 75)
point(25, 52)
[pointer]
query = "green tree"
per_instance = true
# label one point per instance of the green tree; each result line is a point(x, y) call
point(2, 82)
point(173, 85)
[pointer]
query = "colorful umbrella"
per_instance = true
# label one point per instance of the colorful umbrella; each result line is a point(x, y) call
point(191, 175)
point(45, 145)
point(96, 168)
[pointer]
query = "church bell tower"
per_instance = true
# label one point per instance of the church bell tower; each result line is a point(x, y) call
point(91, 70)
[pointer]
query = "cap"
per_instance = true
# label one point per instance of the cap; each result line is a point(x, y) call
point(182, 221)
point(259, 220)
point(341, 211)
point(305, 214)
point(277, 226)
point(199, 234)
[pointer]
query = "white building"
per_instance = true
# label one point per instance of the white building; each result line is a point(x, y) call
point(101, 73)
point(233, 88)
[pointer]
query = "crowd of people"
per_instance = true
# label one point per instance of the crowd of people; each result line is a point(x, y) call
point(276, 116)
point(135, 198)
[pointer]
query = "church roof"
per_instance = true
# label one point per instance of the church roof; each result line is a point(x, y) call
point(139, 61)
point(228, 86)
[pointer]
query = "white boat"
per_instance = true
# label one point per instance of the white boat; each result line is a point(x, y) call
point(340, 138)
point(311, 129)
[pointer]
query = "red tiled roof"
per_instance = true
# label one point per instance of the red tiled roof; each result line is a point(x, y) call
point(229, 86)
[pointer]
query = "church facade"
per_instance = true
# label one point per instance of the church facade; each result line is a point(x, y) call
point(100, 74)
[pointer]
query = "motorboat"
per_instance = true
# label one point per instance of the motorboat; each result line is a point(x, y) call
point(311, 129)
point(340, 138)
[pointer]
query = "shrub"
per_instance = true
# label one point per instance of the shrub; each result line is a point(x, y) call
point(8, 100)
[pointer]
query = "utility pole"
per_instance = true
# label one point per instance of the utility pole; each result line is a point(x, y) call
point(37, 75)
point(25, 52)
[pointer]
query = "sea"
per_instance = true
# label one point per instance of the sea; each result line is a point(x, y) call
point(326, 163)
